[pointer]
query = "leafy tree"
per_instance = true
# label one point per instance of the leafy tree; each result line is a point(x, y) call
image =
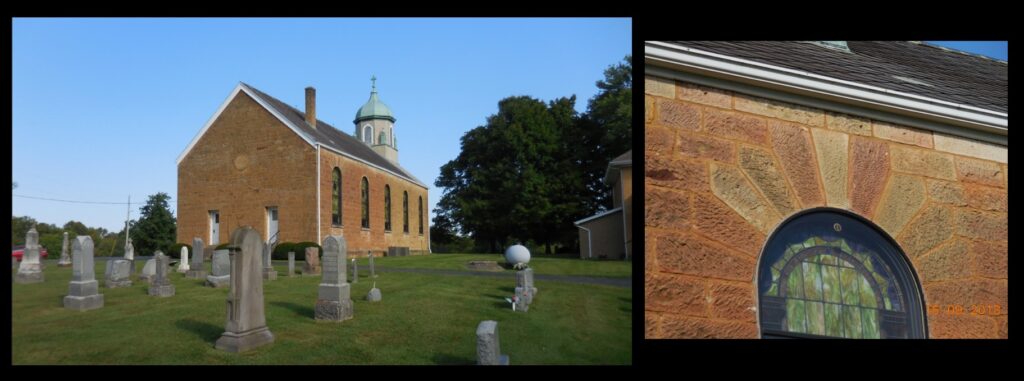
point(606, 132)
point(156, 227)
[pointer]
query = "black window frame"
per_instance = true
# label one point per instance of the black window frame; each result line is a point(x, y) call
point(365, 185)
point(387, 207)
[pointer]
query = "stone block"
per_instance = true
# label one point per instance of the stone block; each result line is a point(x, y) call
point(674, 294)
point(658, 86)
point(691, 254)
point(934, 225)
point(729, 184)
point(903, 198)
point(985, 198)
point(218, 281)
point(970, 147)
point(779, 110)
point(989, 259)
point(979, 172)
point(687, 327)
point(792, 145)
point(832, 153)
point(736, 126)
point(923, 162)
point(716, 220)
point(946, 192)
point(666, 209)
point(848, 123)
point(704, 95)
point(983, 225)
point(949, 261)
point(704, 147)
point(334, 310)
point(920, 138)
point(760, 167)
point(869, 169)
point(488, 344)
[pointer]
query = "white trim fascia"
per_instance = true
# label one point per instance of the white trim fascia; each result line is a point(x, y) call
point(716, 65)
point(350, 156)
point(596, 216)
point(242, 88)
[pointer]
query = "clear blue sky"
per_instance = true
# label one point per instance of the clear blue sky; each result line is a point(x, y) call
point(993, 49)
point(103, 107)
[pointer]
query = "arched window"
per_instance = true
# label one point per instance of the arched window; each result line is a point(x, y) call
point(387, 207)
point(366, 204)
point(368, 134)
point(405, 211)
point(336, 197)
point(421, 215)
point(394, 140)
point(382, 139)
point(829, 273)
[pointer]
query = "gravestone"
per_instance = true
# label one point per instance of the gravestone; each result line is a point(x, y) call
point(65, 259)
point(334, 301)
point(373, 274)
point(291, 263)
point(196, 269)
point(183, 266)
point(149, 269)
point(488, 347)
point(220, 276)
point(129, 255)
point(118, 273)
point(312, 265)
point(522, 300)
point(524, 281)
point(355, 272)
point(161, 285)
point(268, 268)
point(374, 294)
point(31, 270)
point(246, 326)
point(83, 292)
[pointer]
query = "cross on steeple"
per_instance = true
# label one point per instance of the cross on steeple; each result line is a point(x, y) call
point(373, 80)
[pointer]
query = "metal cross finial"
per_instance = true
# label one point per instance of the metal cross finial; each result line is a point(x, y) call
point(373, 80)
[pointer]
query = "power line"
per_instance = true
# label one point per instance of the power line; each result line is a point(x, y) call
point(80, 202)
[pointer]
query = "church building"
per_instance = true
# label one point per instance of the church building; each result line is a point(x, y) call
point(262, 163)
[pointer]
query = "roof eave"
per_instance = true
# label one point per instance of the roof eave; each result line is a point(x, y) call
point(596, 216)
point(992, 124)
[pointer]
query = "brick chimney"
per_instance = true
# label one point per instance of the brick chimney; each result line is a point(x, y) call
point(311, 106)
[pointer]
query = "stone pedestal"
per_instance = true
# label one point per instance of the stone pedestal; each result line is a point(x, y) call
point(488, 347)
point(524, 278)
point(118, 273)
point(29, 277)
point(196, 274)
point(334, 300)
point(218, 281)
point(161, 285)
point(269, 274)
point(244, 341)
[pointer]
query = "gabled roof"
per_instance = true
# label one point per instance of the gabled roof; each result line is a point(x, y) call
point(622, 161)
point(324, 134)
point(596, 216)
point(906, 66)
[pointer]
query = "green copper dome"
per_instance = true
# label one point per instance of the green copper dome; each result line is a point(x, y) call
point(374, 108)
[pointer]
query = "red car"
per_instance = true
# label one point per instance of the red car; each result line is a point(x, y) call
point(19, 250)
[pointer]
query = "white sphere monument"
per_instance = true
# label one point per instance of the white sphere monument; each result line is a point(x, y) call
point(517, 255)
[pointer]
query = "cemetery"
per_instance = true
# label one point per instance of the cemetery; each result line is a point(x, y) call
point(234, 308)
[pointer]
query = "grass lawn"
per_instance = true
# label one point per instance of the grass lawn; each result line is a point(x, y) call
point(540, 264)
point(423, 319)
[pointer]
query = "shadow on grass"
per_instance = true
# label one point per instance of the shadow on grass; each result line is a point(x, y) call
point(446, 359)
point(300, 310)
point(207, 332)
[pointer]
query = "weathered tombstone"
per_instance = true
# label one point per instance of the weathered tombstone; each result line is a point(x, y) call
point(221, 274)
point(118, 273)
point(268, 268)
point(312, 266)
point(149, 269)
point(83, 292)
point(129, 255)
point(196, 269)
point(524, 281)
point(373, 273)
point(183, 266)
point(355, 272)
point(246, 326)
point(161, 284)
point(65, 259)
point(374, 294)
point(30, 271)
point(291, 263)
point(522, 300)
point(333, 300)
point(488, 347)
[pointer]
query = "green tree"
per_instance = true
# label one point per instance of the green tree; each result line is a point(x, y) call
point(605, 131)
point(156, 228)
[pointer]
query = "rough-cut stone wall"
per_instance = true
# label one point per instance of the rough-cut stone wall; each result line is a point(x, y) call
point(722, 170)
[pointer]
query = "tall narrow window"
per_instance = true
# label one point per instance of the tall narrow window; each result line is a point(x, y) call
point(828, 273)
point(387, 208)
point(336, 197)
point(405, 211)
point(421, 215)
point(366, 204)
point(368, 134)
point(382, 139)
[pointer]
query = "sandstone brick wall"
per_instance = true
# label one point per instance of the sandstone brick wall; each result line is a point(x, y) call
point(723, 169)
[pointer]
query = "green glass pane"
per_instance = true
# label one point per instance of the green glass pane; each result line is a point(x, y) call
point(795, 248)
point(773, 290)
point(812, 281)
point(883, 287)
point(775, 276)
point(809, 242)
point(860, 256)
point(838, 242)
point(867, 295)
point(818, 241)
point(845, 247)
point(828, 260)
point(815, 318)
point(844, 263)
point(848, 279)
point(869, 318)
point(867, 263)
point(795, 315)
point(830, 284)
point(851, 322)
point(794, 286)
point(833, 320)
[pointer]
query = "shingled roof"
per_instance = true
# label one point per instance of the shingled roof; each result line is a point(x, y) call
point(906, 66)
point(328, 136)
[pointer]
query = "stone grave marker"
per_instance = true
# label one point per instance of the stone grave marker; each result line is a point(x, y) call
point(334, 301)
point(118, 273)
point(65, 258)
point(196, 269)
point(246, 326)
point(312, 265)
point(183, 266)
point(220, 276)
point(268, 268)
point(161, 284)
point(488, 347)
point(30, 270)
point(83, 291)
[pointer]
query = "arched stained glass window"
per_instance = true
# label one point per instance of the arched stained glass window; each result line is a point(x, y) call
point(421, 215)
point(382, 138)
point(336, 197)
point(368, 134)
point(387, 207)
point(405, 212)
point(828, 273)
point(366, 204)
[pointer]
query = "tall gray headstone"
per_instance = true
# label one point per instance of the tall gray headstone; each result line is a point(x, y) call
point(183, 266)
point(149, 269)
point(118, 273)
point(246, 326)
point(129, 254)
point(268, 267)
point(522, 300)
point(161, 285)
point(196, 269)
point(31, 270)
point(524, 280)
point(83, 292)
point(65, 258)
point(291, 263)
point(355, 272)
point(334, 301)
point(220, 276)
point(488, 347)
point(373, 273)
point(312, 265)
